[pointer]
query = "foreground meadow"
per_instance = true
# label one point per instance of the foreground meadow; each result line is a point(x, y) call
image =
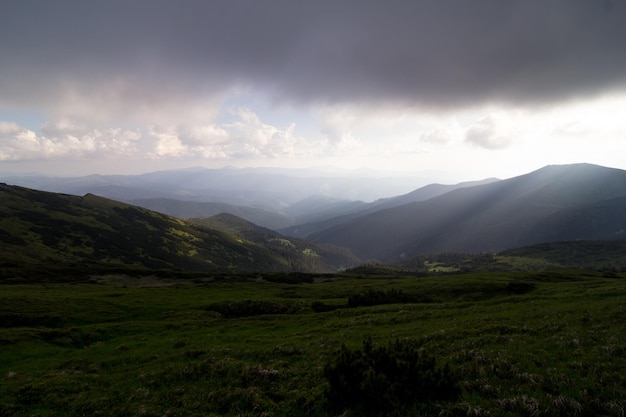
point(535, 344)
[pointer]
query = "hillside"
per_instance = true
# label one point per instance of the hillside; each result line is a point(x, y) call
point(607, 256)
point(193, 209)
point(555, 203)
point(331, 215)
point(301, 255)
point(48, 231)
point(317, 208)
point(582, 254)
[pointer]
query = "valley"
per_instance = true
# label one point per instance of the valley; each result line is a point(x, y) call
point(505, 295)
point(552, 204)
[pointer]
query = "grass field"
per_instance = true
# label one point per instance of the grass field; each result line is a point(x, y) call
point(532, 344)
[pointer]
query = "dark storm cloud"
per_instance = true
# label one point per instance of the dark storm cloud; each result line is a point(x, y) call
point(428, 52)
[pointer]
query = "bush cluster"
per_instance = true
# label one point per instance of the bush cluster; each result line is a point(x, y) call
point(520, 287)
point(248, 308)
point(289, 278)
point(373, 297)
point(321, 307)
point(378, 380)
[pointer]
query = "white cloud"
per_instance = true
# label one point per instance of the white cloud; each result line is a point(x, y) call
point(386, 138)
point(439, 135)
point(247, 137)
point(117, 141)
point(165, 144)
point(338, 122)
point(9, 129)
point(207, 135)
point(250, 136)
point(488, 133)
point(60, 140)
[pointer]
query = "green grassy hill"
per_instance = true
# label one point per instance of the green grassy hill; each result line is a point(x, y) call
point(41, 230)
point(301, 255)
point(595, 255)
point(194, 209)
point(601, 255)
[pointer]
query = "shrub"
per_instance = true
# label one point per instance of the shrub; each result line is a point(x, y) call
point(321, 307)
point(377, 380)
point(248, 308)
point(520, 287)
point(289, 278)
point(373, 297)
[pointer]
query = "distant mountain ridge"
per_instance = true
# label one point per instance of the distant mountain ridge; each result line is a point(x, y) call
point(579, 201)
point(274, 198)
point(554, 203)
point(192, 209)
point(305, 229)
point(265, 188)
point(46, 231)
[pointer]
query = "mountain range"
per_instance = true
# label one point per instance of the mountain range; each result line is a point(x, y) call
point(330, 216)
point(555, 203)
point(318, 233)
point(259, 190)
point(277, 199)
point(43, 230)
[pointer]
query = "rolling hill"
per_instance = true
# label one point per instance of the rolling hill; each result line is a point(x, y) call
point(193, 209)
point(301, 255)
point(47, 231)
point(555, 203)
point(608, 256)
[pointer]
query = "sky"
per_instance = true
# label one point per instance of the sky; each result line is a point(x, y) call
point(455, 90)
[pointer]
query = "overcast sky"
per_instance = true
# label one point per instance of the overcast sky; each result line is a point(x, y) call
point(458, 89)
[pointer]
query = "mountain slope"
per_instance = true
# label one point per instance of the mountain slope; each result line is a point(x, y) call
point(193, 209)
point(41, 230)
point(301, 255)
point(325, 220)
point(317, 208)
point(532, 208)
point(426, 193)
